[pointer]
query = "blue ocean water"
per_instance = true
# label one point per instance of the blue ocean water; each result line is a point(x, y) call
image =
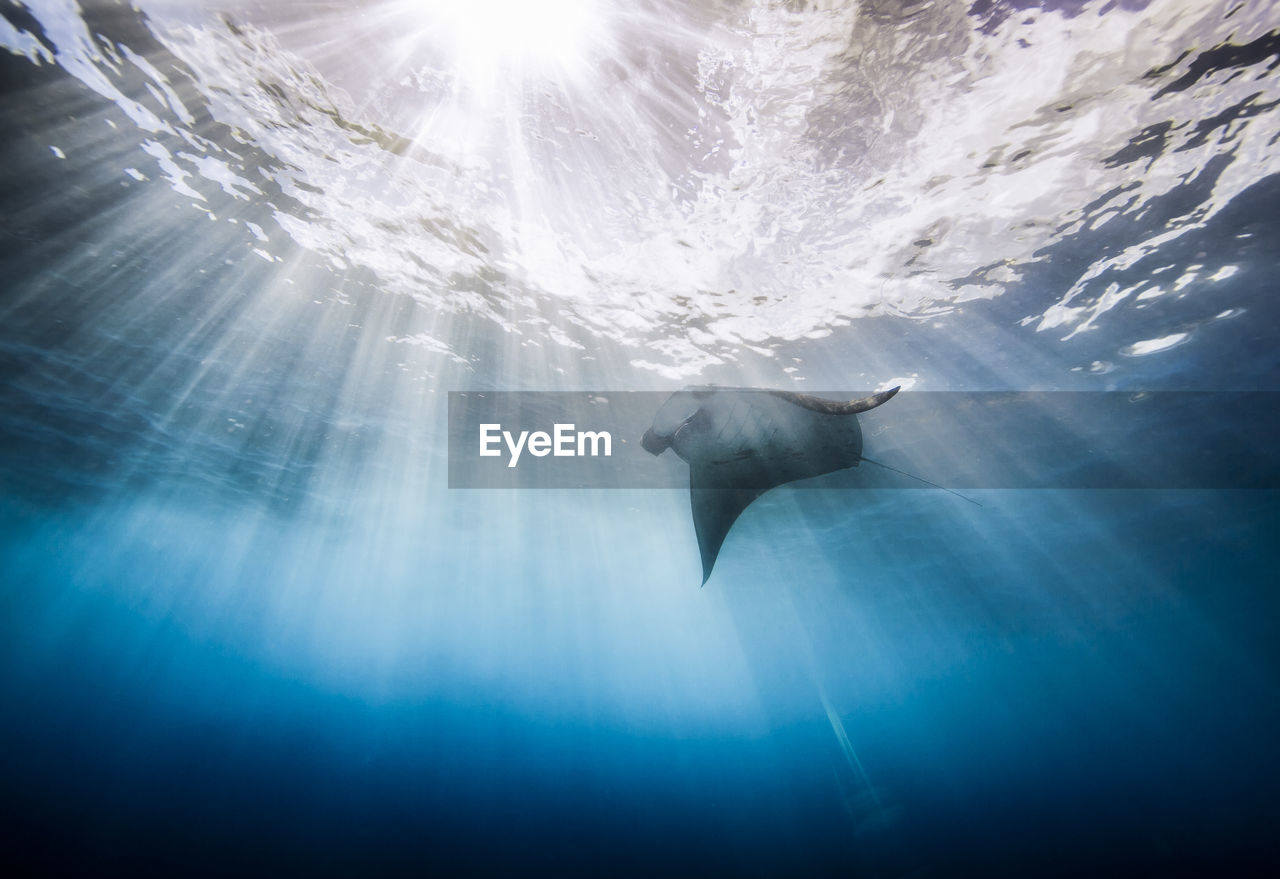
point(247, 252)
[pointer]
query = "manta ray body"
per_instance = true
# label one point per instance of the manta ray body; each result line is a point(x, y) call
point(741, 442)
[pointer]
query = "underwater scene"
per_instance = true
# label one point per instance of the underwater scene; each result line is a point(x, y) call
point(640, 437)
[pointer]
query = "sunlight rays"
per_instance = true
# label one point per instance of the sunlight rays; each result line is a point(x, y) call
point(701, 184)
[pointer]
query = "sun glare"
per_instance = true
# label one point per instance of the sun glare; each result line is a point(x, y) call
point(493, 39)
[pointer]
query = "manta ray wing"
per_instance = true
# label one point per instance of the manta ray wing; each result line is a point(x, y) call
point(716, 506)
point(837, 407)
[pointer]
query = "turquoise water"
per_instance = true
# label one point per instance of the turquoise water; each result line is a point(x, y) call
point(248, 252)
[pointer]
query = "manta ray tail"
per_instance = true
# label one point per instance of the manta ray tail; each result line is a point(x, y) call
point(922, 479)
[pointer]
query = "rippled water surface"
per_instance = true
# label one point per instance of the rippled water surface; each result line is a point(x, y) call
point(249, 248)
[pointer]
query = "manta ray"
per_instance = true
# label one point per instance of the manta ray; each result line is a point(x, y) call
point(741, 442)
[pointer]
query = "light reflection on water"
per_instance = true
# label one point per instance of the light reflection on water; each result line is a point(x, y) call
point(710, 181)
